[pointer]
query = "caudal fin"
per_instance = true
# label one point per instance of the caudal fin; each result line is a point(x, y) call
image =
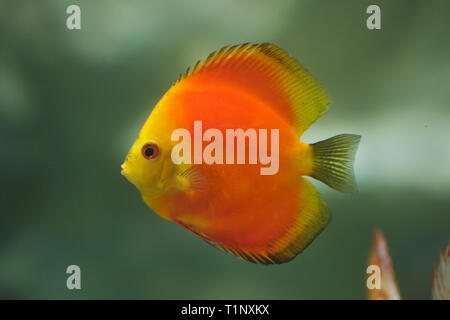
point(333, 161)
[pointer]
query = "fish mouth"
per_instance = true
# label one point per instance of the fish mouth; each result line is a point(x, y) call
point(123, 171)
point(127, 174)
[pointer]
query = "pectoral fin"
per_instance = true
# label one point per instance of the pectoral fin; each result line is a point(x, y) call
point(312, 218)
point(191, 179)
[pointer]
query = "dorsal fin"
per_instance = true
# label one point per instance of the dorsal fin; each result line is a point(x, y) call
point(269, 73)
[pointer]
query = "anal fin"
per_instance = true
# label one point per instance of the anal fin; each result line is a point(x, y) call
point(312, 218)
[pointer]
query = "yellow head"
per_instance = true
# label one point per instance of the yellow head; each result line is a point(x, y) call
point(148, 164)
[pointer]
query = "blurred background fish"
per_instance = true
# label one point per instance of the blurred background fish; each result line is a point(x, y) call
point(386, 288)
point(440, 289)
point(379, 256)
point(71, 102)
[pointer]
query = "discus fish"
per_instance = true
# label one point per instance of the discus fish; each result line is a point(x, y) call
point(227, 199)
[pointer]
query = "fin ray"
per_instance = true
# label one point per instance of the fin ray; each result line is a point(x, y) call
point(192, 179)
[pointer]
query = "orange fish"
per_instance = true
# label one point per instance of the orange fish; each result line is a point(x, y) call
point(189, 167)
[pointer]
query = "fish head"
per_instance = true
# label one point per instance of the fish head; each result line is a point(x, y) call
point(144, 165)
point(149, 164)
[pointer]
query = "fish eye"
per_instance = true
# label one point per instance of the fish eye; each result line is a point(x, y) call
point(150, 151)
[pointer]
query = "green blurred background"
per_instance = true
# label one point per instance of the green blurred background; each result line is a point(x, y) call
point(72, 103)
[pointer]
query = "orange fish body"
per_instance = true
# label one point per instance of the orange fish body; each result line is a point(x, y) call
point(261, 218)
